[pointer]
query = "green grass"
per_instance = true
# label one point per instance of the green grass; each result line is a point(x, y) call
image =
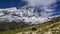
point(38, 26)
point(16, 30)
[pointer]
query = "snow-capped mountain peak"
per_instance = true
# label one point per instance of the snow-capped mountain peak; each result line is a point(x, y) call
point(26, 14)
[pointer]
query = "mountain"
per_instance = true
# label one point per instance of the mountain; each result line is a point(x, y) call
point(26, 14)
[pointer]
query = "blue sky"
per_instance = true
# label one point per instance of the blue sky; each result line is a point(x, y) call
point(57, 9)
point(11, 3)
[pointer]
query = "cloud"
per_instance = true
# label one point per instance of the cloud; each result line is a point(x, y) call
point(40, 2)
point(44, 4)
point(46, 12)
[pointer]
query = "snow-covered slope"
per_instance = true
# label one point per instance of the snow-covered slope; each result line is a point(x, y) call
point(26, 14)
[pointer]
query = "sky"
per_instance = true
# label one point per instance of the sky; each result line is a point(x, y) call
point(44, 7)
point(11, 3)
point(20, 3)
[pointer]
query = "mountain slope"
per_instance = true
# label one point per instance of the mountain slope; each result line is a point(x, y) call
point(46, 29)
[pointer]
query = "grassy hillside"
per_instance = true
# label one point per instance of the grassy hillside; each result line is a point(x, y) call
point(43, 28)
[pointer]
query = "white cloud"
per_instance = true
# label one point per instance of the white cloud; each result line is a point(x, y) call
point(46, 12)
point(40, 2)
point(44, 4)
